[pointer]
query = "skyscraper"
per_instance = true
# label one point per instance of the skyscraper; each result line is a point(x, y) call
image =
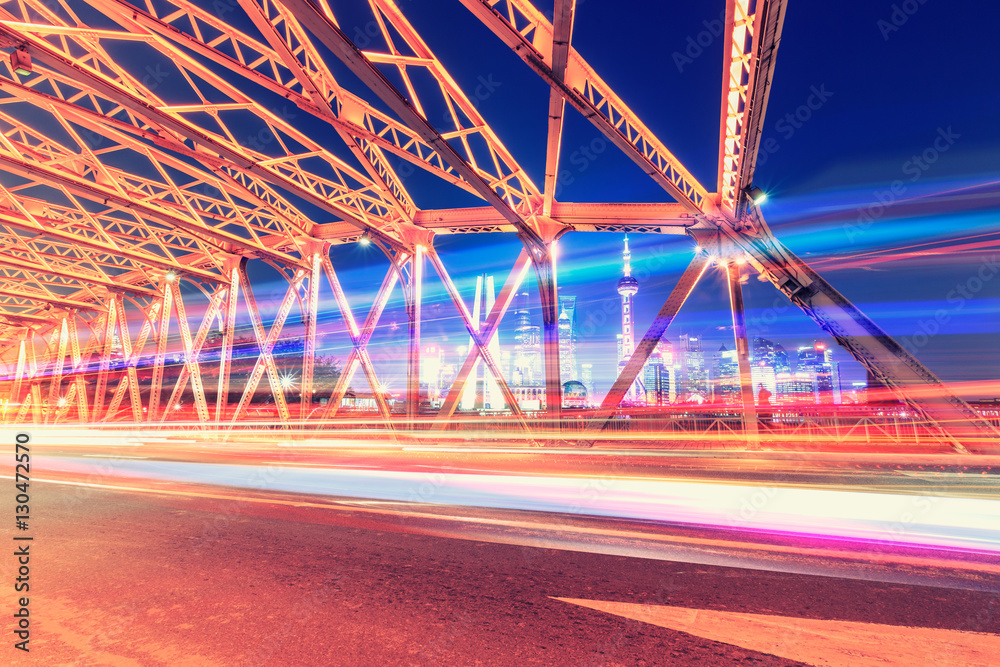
point(817, 361)
point(526, 360)
point(627, 288)
point(727, 383)
point(694, 384)
point(658, 375)
point(567, 338)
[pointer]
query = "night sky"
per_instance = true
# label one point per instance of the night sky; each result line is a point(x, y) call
point(892, 90)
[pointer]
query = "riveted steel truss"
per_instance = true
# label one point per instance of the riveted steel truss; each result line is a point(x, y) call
point(151, 160)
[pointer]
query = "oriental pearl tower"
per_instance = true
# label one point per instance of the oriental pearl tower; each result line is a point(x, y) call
point(627, 287)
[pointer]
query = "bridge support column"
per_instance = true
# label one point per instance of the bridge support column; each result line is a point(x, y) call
point(548, 292)
point(310, 313)
point(748, 407)
point(15, 392)
point(232, 267)
point(162, 331)
point(79, 366)
point(101, 387)
point(413, 313)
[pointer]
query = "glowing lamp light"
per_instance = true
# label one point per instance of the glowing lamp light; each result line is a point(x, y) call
point(697, 248)
point(20, 62)
point(757, 196)
point(170, 276)
point(365, 239)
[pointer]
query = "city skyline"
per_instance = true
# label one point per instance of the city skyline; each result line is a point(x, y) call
point(684, 369)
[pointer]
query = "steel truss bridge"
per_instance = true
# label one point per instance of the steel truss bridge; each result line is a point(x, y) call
point(116, 189)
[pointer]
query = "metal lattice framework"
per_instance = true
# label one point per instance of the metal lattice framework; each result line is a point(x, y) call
point(142, 145)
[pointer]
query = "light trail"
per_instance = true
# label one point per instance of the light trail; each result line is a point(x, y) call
point(905, 519)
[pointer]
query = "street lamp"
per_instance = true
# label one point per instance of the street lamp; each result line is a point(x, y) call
point(757, 196)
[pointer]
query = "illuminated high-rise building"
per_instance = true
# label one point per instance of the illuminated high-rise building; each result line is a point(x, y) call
point(795, 388)
point(567, 338)
point(658, 375)
point(727, 389)
point(694, 373)
point(817, 361)
point(627, 288)
point(526, 361)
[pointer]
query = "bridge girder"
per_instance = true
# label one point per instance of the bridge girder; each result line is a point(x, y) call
point(147, 181)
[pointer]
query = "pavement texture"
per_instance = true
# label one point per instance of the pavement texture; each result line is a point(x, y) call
point(126, 578)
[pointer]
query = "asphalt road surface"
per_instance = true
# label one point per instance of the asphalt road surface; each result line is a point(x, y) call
point(127, 571)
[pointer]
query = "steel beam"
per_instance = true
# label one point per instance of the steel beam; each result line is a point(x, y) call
point(309, 316)
point(56, 230)
point(592, 97)
point(80, 360)
point(15, 392)
point(750, 49)
point(228, 334)
point(162, 329)
point(359, 339)
point(562, 29)
point(899, 370)
point(414, 304)
point(265, 344)
point(131, 354)
point(481, 343)
point(490, 326)
point(359, 63)
point(748, 408)
point(101, 386)
point(192, 366)
point(55, 300)
point(548, 292)
point(56, 369)
point(662, 218)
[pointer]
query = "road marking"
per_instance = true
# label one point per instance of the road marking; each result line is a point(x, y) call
point(816, 641)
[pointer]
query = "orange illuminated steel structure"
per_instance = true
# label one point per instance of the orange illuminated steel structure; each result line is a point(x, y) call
point(158, 147)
